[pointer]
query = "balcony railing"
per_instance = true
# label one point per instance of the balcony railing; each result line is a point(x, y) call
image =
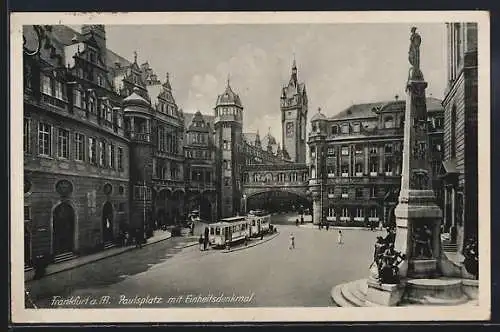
point(56, 102)
point(143, 137)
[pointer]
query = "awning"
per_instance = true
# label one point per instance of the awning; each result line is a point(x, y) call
point(450, 166)
point(449, 169)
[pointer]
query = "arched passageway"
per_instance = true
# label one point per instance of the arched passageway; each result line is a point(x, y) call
point(278, 201)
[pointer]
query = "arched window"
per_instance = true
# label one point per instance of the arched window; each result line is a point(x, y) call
point(345, 128)
point(388, 122)
point(313, 172)
point(269, 177)
point(453, 124)
point(92, 105)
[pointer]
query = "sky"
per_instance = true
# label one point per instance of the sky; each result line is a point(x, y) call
point(341, 64)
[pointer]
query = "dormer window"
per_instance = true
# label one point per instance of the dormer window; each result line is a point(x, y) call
point(92, 57)
point(388, 122)
point(345, 128)
point(335, 130)
point(356, 127)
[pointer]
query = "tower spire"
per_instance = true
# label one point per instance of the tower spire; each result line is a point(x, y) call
point(135, 56)
point(228, 79)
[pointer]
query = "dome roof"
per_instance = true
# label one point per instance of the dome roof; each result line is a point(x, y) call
point(136, 99)
point(318, 116)
point(229, 97)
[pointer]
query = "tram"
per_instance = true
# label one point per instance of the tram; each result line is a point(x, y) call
point(258, 221)
point(231, 229)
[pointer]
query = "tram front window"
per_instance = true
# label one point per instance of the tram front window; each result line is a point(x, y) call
point(217, 231)
point(211, 231)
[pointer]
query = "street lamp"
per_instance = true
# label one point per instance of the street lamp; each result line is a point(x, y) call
point(244, 204)
point(198, 174)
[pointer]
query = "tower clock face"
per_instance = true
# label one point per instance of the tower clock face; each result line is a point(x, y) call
point(289, 129)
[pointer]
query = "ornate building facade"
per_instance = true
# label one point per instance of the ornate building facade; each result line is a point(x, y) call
point(460, 165)
point(76, 150)
point(356, 161)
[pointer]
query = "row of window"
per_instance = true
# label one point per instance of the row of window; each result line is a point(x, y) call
point(346, 213)
point(358, 192)
point(84, 148)
point(167, 141)
point(198, 138)
point(167, 109)
point(373, 169)
point(228, 111)
point(280, 177)
point(356, 149)
point(198, 154)
point(160, 170)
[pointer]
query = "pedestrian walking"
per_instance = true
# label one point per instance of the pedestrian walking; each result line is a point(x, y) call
point(205, 239)
point(297, 222)
point(327, 226)
point(292, 242)
point(302, 219)
point(339, 238)
point(200, 242)
point(139, 235)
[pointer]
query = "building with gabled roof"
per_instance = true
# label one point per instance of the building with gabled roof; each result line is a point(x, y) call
point(356, 155)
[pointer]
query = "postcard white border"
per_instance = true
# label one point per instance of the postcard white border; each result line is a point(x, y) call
point(323, 314)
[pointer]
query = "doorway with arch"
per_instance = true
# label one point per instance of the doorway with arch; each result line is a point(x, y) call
point(63, 229)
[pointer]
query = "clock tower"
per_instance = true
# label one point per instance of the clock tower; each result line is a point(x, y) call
point(293, 104)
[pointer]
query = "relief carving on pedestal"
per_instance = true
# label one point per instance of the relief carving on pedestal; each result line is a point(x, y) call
point(419, 179)
point(419, 150)
point(422, 242)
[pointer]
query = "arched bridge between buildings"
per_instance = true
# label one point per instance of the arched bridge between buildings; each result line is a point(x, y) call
point(276, 187)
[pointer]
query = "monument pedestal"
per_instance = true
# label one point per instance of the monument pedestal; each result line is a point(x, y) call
point(418, 221)
point(317, 213)
point(387, 295)
point(424, 268)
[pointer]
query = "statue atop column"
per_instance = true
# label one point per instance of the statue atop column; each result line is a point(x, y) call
point(414, 55)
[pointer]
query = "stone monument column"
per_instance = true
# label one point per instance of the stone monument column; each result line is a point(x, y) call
point(316, 207)
point(418, 217)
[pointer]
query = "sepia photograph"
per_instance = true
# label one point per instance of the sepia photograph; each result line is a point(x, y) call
point(289, 166)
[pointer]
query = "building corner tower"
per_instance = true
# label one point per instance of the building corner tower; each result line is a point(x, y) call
point(293, 104)
point(228, 149)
